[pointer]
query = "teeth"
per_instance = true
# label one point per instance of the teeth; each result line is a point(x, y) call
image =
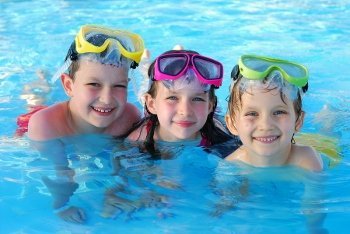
point(266, 139)
point(102, 110)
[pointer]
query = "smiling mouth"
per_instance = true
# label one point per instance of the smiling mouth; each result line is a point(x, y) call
point(102, 110)
point(185, 124)
point(266, 139)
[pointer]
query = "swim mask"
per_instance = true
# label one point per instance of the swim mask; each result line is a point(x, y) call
point(258, 67)
point(103, 45)
point(172, 66)
point(189, 80)
point(269, 73)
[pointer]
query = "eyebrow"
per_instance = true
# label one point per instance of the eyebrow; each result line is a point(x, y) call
point(94, 78)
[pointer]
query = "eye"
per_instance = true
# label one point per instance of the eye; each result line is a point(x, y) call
point(94, 84)
point(280, 112)
point(172, 98)
point(123, 86)
point(251, 113)
point(198, 99)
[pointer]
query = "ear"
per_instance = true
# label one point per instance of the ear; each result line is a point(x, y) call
point(150, 103)
point(67, 83)
point(230, 125)
point(300, 121)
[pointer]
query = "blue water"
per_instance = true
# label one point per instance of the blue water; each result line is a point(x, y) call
point(36, 35)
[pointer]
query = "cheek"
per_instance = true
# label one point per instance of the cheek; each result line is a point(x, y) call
point(289, 126)
point(165, 109)
point(121, 95)
point(245, 123)
point(84, 93)
point(201, 108)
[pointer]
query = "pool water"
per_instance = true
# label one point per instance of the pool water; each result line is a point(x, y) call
point(192, 186)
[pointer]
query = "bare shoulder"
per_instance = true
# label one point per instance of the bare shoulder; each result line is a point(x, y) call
point(125, 122)
point(47, 123)
point(138, 134)
point(235, 155)
point(306, 157)
point(132, 113)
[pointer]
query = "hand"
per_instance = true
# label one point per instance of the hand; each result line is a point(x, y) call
point(153, 199)
point(73, 214)
point(169, 184)
point(222, 207)
point(144, 66)
point(145, 60)
point(61, 191)
point(114, 205)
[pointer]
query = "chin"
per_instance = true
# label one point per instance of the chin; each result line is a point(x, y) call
point(102, 125)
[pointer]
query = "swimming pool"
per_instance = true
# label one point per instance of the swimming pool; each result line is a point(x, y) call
point(36, 35)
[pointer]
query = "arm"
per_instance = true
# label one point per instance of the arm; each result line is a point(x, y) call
point(311, 205)
point(230, 188)
point(48, 123)
point(306, 157)
point(64, 186)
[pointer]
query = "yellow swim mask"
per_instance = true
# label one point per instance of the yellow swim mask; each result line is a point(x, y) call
point(104, 45)
point(96, 39)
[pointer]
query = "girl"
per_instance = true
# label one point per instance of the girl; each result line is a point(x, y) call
point(265, 111)
point(180, 105)
point(180, 102)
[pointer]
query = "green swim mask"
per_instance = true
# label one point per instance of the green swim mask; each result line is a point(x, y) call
point(255, 67)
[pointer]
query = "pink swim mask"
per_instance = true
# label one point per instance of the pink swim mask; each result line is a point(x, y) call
point(175, 65)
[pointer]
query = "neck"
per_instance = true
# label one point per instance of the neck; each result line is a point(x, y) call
point(278, 159)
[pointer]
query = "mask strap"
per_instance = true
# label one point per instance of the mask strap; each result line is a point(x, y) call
point(235, 73)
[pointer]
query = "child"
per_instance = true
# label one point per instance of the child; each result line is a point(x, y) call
point(265, 111)
point(34, 94)
point(180, 104)
point(97, 66)
point(181, 101)
point(98, 62)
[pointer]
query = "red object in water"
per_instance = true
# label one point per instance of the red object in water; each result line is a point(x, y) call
point(23, 120)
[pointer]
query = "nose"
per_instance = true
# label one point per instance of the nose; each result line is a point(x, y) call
point(266, 122)
point(185, 108)
point(106, 95)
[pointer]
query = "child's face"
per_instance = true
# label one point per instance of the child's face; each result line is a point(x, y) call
point(98, 94)
point(265, 124)
point(181, 113)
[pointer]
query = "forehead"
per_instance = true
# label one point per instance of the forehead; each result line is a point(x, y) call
point(89, 69)
point(184, 90)
point(265, 98)
point(186, 82)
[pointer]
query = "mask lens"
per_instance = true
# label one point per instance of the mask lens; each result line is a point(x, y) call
point(256, 64)
point(173, 65)
point(208, 69)
point(293, 70)
point(97, 39)
point(261, 65)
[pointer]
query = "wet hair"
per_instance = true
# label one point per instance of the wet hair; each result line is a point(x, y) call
point(236, 92)
point(210, 131)
point(107, 56)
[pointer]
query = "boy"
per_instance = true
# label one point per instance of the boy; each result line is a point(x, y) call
point(97, 62)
